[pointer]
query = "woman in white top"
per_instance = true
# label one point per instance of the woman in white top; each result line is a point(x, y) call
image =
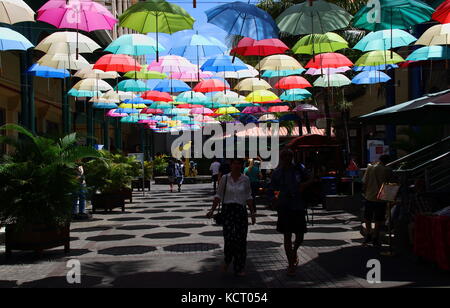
point(235, 194)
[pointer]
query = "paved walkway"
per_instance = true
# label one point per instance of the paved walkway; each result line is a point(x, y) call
point(163, 240)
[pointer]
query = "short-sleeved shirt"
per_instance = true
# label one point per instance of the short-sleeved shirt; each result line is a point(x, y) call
point(238, 192)
point(252, 174)
point(214, 168)
point(373, 179)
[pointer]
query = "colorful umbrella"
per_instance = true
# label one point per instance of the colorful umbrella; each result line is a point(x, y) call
point(156, 16)
point(172, 64)
point(292, 82)
point(90, 72)
point(131, 85)
point(336, 80)
point(382, 67)
point(294, 95)
point(210, 85)
point(191, 97)
point(385, 39)
point(14, 11)
point(145, 74)
point(316, 16)
point(192, 76)
point(268, 118)
point(91, 84)
point(282, 73)
point(157, 96)
point(279, 62)
point(102, 105)
point(227, 110)
point(114, 114)
point(320, 43)
point(202, 110)
point(48, 72)
point(279, 109)
point(370, 77)
point(250, 47)
point(83, 93)
point(254, 109)
point(252, 84)
point(118, 96)
point(262, 96)
point(223, 63)
point(172, 85)
point(379, 57)
point(436, 35)
point(151, 111)
point(64, 61)
point(329, 60)
point(134, 45)
point(250, 72)
point(327, 71)
point(228, 97)
point(117, 63)
point(12, 40)
point(305, 108)
point(67, 43)
point(132, 106)
point(243, 19)
point(430, 53)
point(442, 13)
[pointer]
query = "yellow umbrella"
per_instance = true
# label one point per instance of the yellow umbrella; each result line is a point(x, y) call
point(64, 61)
point(379, 57)
point(132, 106)
point(66, 43)
point(436, 35)
point(92, 84)
point(262, 96)
point(89, 72)
point(252, 84)
point(279, 62)
point(227, 110)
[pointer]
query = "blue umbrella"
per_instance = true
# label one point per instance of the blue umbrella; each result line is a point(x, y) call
point(223, 63)
point(13, 40)
point(243, 19)
point(138, 100)
point(104, 105)
point(172, 85)
point(382, 40)
point(83, 93)
point(131, 85)
point(294, 95)
point(370, 77)
point(47, 72)
point(430, 53)
point(290, 117)
point(196, 47)
point(127, 110)
point(374, 68)
point(282, 73)
point(248, 118)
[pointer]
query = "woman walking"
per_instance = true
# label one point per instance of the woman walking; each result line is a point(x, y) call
point(287, 184)
point(234, 192)
point(179, 174)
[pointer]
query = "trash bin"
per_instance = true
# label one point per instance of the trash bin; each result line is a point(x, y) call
point(329, 186)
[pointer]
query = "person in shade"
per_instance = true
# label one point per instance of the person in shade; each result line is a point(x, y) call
point(79, 197)
point(179, 174)
point(236, 195)
point(254, 174)
point(214, 168)
point(287, 185)
point(225, 168)
point(171, 173)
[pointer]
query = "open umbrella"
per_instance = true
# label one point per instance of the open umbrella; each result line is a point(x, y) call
point(92, 84)
point(191, 97)
point(320, 43)
point(90, 72)
point(254, 109)
point(12, 40)
point(382, 67)
point(430, 53)
point(336, 80)
point(316, 16)
point(294, 95)
point(329, 60)
point(278, 109)
point(370, 77)
point(252, 84)
point(112, 113)
point(327, 71)
point(279, 62)
point(436, 35)
point(262, 96)
point(48, 72)
point(157, 96)
point(64, 61)
point(282, 73)
point(250, 47)
point(239, 18)
point(292, 82)
point(223, 63)
point(131, 85)
point(171, 64)
point(305, 108)
point(227, 110)
point(210, 85)
point(117, 63)
point(379, 57)
point(145, 74)
point(14, 11)
point(385, 39)
point(250, 72)
point(157, 16)
point(442, 13)
point(134, 45)
point(172, 85)
point(67, 43)
point(191, 76)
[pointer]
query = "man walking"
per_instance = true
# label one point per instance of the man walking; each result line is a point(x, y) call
point(214, 168)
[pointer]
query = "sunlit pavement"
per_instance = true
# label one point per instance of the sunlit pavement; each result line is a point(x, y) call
point(164, 240)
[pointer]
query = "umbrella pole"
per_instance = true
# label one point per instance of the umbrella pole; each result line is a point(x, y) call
point(392, 31)
point(157, 47)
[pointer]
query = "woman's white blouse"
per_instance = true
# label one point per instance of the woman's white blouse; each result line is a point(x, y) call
point(237, 192)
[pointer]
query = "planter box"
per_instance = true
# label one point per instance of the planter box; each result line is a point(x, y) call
point(127, 194)
point(137, 184)
point(36, 238)
point(108, 202)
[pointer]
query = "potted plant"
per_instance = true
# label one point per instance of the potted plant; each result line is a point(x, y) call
point(109, 179)
point(37, 181)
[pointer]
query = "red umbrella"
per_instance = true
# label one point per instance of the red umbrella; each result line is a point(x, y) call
point(157, 96)
point(250, 47)
point(279, 109)
point(117, 63)
point(189, 106)
point(211, 85)
point(292, 82)
point(151, 111)
point(442, 13)
point(329, 60)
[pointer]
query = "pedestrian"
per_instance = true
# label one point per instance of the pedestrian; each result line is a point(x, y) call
point(171, 173)
point(214, 168)
point(225, 168)
point(375, 210)
point(287, 185)
point(254, 174)
point(79, 201)
point(235, 194)
point(179, 174)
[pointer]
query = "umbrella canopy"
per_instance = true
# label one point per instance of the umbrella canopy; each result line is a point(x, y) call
point(92, 84)
point(243, 19)
point(327, 71)
point(12, 40)
point(131, 85)
point(430, 109)
point(223, 63)
point(90, 72)
point(134, 45)
point(252, 84)
point(292, 82)
point(254, 109)
point(267, 118)
point(392, 14)
point(67, 42)
point(227, 110)
point(64, 61)
point(382, 67)
point(202, 110)
point(279, 109)
point(132, 105)
point(379, 57)
point(262, 96)
point(320, 43)
point(151, 111)
point(118, 96)
point(436, 35)
point(117, 63)
point(157, 96)
point(385, 39)
point(226, 97)
point(104, 105)
point(83, 93)
point(329, 60)
point(305, 108)
point(250, 47)
point(14, 11)
point(210, 85)
point(430, 53)
point(316, 16)
point(336, 80)
point(145, 74)
point(172, 64)
point(196, 47)
point(282, 73)
point(294, 95)
point(247, 73)
point(85, 15)
point(442, 13)
point(370, 77)
point(172, 85)
point(112, 113)
point(192, 76)
point(47, 72)
point(191, 97)
point(279, 62)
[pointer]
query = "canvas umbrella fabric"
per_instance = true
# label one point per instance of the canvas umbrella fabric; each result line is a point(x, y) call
point(250, 72)
point(294, 95)
point(171, 64)
point(157, 16)
point(210, 85)
point(382, 67)
point(385, 39)
point(252, 84)
point(250, 47)
point(305, 108)
point(227, 110)
point(442, 13)
point(191, 76)
point(64, 61)
point(436, 35)
point(311, 17)
point(118, 96)
point(329, 60)
point(47, 72)
point(279, 109)
point(157, 96)
point(379, 57)
point(131, 85)
point(279, 62)
point(90, 72)
point(430, 53)
point(247, 20)
point(15, 11)
point(112, 113)
point(191, 97)
point(262, 96)
point(117, 63)
point(254, 110)
point(336, 80)
point(292, 82)
point(67, 42)
point(13, 40)
point(83, 93)
point(370, 77)
point(223, 63)
point(320, 43)
point(134, 45)
point(145, 74)
point(92, 84)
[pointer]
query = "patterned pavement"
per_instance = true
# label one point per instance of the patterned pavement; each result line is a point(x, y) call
point(164, 240)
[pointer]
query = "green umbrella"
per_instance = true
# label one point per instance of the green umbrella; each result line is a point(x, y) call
point(313, 17)
point(320, 43)
point(156, 16)
point(379, 57)
point(145, 74)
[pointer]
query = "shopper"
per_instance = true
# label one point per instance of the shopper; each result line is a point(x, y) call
point(254, 173)
point(375, 210)
point(179, 174)
point(235, 194)
point(214, 168)
point(287, 184)
point(171, 173)
point(79, 201)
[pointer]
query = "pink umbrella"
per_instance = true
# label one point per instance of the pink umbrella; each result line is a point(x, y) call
point(190, 76)
point(202, 111)
point(151, 111)
point(148, 121)
point(85, 15)
point(255, 109)
point(305, 107)
point(112, 113)
point(172, 64)
point(204, 119)
point(279, 109)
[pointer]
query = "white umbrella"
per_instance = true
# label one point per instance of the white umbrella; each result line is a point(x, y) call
point(90, 72)
point(64, 61)
point(66, 43)
point(14, 11)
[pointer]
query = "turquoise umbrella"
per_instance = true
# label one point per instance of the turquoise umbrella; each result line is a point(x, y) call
point(430, 53)
point(294, 95)
point(191, 97)
point(83, 93)
point(134, 45)
point(131, 85)
point(384, 40)
point(282, 73)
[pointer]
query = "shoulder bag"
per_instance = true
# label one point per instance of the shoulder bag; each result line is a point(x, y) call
point(218, 218)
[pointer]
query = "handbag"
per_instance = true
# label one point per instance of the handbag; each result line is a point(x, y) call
point(388, 192)
point(219, 218)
